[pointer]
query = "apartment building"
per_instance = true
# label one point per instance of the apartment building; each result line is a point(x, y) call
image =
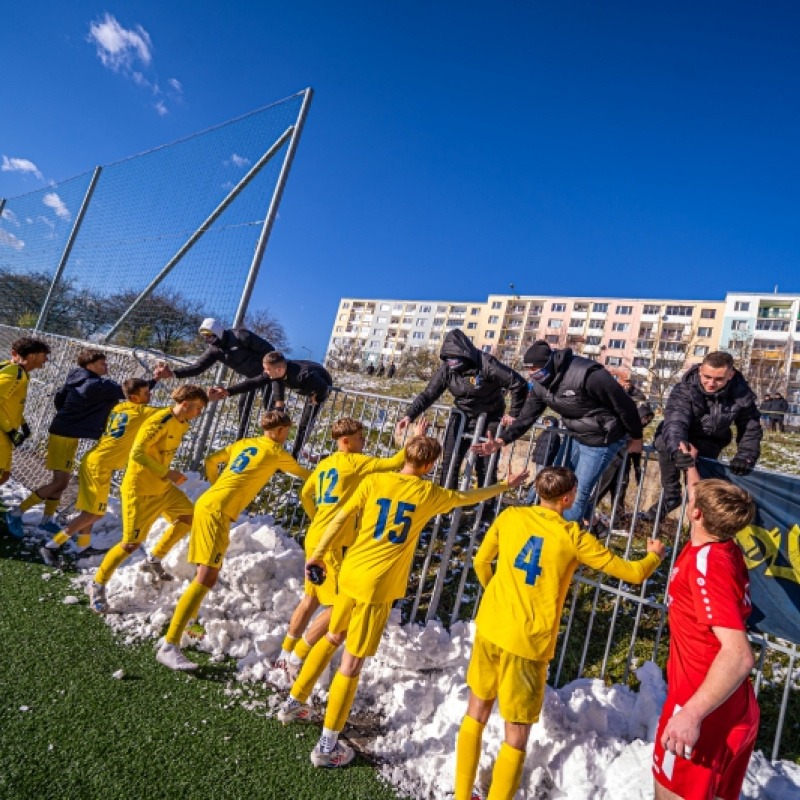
point(631, 337)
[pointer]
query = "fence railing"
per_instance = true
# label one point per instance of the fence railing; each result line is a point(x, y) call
point(608, 627)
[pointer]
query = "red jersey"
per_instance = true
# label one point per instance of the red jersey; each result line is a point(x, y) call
point(709, 587)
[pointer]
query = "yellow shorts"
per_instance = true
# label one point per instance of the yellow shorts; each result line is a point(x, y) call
point(518, 683)
point(208, 542)
point(142, 510)
point(6, 453)
point(364, 623)
point(94, 484)
point(326, 592)
point(61, 453)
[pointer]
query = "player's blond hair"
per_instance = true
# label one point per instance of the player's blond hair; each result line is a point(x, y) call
point(726, 508)
point(270, 420)
point(422, 450)
point(554, 482)
point(346, 426)
point(190, 392)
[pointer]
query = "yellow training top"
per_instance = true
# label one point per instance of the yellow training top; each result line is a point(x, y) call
point(332, 484)
point(537, 553)
point(249, 464)
point(13, 391)
point(114, 446)
point(394, 509)
point(153, 450)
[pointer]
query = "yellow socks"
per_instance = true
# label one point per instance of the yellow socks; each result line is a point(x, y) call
point(51, 506)
point(82, 540)
point(319, 658)
point(507, 773)
point(187, 608)
point(340, 701)
point(30, 501)
point(468, 755)
point(171, 537)
point(289, 643)
point(114, 557)
point(61, 538)
point(302, 649)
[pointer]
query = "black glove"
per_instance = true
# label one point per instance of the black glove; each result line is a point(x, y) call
point(17, 437)
point(682, 461)
point(26, 430)
point(740, 466)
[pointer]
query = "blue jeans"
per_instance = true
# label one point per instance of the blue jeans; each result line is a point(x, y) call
point(588, 464)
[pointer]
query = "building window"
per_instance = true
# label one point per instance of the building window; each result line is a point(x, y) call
point(593, 340)
point(739, 325)
point(497, 304)
point(418, 335)
point(487, 348)
point(398, 306)
point(471, 326)
point(623, 310)
point(407, 320)
point(554, 323)
point(441, 309)
point(383, 320)
point(741, 305)
point(558, 307)
point(424, 309)
point(705, 333)
point(616, 344)
point(772, 325)
point(708, 313)
point(345, 305)
point(679, 311)
point(621, 326)
point(438, 321)
point(651, 310)
point(494, 320)
point(597, 323)
point(386, 306)
point(552, 339)
point(488, 335)
point(576, 323)
point(338, 329)
point(614, 361)
point(474, 312)
point(420, 323)
point(536, 310)
point(458, 309)
point(701, 350)
point(600, 308)
point(641, 361)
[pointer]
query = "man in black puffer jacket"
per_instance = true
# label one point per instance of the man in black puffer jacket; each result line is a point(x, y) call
point(476, 380)
point(780, 407)
point(710, 399)
point(593, 407)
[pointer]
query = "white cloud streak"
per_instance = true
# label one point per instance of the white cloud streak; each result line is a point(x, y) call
point(20, 165)
point(52, 200)
point(9, 215)
point(239, 161)
point(176, 85)
point(9, 240)
point(120, 48)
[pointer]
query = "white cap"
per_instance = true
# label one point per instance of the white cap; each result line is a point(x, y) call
point(210, 325)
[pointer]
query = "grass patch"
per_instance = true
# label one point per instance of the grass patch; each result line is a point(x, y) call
point(153, 734)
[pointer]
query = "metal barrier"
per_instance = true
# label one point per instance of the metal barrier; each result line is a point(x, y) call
point(608, 626)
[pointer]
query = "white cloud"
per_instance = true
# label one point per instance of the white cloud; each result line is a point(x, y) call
point(47, 221)
point(227, 186)
point(20, 165)
point(29, 220)
point(161, 108)
point(176, 85)
point(9, 215)
point(9, 240)
point(52, 200)
point(120, 48)
point(239, 161)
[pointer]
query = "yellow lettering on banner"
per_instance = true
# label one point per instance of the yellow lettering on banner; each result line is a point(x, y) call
point(760, 545)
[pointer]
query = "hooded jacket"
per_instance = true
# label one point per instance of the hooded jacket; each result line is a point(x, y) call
point(592, 405)
point(241, 350)
point(705, 420)
point(304, 377)
point(477, 391)
point(83, 404)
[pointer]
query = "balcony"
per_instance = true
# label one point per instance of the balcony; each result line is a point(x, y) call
point(575, 329)
point(774, 312)
point(591, 349)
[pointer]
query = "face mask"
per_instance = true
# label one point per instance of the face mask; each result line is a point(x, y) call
point(540, 375)
point(458, 365)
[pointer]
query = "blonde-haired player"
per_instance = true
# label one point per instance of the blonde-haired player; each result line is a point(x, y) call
point(393, 509)
point(150, 490)
point(98, 465)
point(330, 486)
point(537, 553)
point(248, 465)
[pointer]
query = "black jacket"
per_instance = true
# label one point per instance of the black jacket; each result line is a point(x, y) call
point(636, 393)
point(693, 416)
point(304, 377)
point(546, 448)
point(479, 390)
point(765, 407)
point(83, 404)
point(592, 405)
point(780, 404)
point(241, 350)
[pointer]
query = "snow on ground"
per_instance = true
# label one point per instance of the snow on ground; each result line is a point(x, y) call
point(593, 741)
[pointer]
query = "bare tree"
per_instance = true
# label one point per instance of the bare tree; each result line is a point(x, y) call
point(763, 363)
point(670, 351)
point(419, 364)
point(344, 356)
point(263, 322)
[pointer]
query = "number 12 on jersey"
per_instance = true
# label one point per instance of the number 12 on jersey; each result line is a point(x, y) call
point(528, 559)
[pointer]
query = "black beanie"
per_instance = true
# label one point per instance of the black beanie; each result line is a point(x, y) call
point(538, 354)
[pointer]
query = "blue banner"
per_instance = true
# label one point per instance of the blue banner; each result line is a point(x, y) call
point(771, 547)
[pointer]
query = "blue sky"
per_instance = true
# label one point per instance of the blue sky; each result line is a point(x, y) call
point(452, 148)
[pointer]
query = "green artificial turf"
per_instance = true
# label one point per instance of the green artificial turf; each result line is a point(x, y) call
point(153, 734)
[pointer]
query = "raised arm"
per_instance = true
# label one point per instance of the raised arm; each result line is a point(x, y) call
point(216, 460)
point(484, 558)
point(429, 395)
point(597, 556)
point(250, 384)
point(205, 361)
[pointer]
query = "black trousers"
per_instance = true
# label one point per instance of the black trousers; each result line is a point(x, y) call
point(671, 475)
point(305, 426)
point(246, 402)
point(457, 451)
point(608, 480)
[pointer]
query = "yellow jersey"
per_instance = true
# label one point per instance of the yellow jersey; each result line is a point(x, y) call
point(13, 392)
point(114, 446)
point(394, 509)
point(332, 484)
point(249, 464)
point(153, 450)
point(537, 554)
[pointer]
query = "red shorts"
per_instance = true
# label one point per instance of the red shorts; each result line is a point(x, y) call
point(719, 757)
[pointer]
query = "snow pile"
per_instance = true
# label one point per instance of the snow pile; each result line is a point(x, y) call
point(592, 741)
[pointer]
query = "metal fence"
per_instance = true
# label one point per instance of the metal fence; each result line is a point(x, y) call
point(608, 627)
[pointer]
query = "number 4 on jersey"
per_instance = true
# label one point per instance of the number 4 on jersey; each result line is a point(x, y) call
point(528, 559)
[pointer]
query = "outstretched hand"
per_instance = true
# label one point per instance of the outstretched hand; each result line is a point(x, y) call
point(421, 427)
point(491, 445)
point(517, 480)
point(162, 371)
point(217, 393)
